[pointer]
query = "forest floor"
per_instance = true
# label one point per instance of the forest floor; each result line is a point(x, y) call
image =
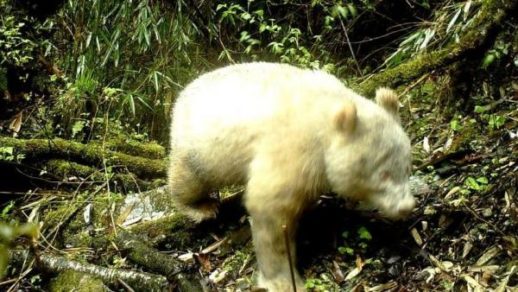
point(461, 237)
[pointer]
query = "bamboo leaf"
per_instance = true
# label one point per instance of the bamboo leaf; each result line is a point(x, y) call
point(453, 20)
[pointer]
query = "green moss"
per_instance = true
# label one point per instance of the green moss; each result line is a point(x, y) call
point(70, 218)
point(175, 223)
point(405, 72)
point(491, 14)
point(56, 217)
point(66, 168)
point(91, 153)
point(234, 262)
point(74, 281)
point(151, 150)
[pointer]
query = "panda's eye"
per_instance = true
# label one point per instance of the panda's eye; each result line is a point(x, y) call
point(385, 175)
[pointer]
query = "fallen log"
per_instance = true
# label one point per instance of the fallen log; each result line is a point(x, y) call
point(69, 171)
point(89, 154)
point(139, 252)
point(54, 264)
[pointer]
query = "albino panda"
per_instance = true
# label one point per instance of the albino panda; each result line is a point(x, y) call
point(289, 135)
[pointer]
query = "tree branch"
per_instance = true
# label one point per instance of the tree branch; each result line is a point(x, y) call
point(491, 16)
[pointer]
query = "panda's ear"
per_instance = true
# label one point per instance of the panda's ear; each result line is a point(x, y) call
point(387, 99)
point(345, 119)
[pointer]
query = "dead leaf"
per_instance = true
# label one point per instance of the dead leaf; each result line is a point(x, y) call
point(357, 270)
point(383, 287)
point(124, 215)
point(214, 246)
point(416, 236)
point(424, 225)
point(431, 271)
point(472, 282)
point(448, 143)
point(488, 255)
point(186, 257)
point(16, 123)
point(87, 214)
point(353, 273)
point(217, 276)
point(484, 269)
point(501, 287)
point(337, 273)
point(359, 262)
point(426, 144)
point(8, 95)
point(453, 191)
point(443, 266)
point(467, 248)
point(204, 261)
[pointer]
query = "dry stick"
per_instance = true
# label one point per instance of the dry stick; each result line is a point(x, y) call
point(351, 47)
point(288, 251)
point(125, 285)
point(8, 281)
point(408, 88)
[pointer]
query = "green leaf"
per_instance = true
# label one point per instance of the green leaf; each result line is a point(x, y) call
point(345, 250)
point(496, 121)
point(455, 125)
point(262, 27)
point(155, 80)
point(471, 183)
point(244, 36)
point(6, 150)
point(259, 13)
point(339, 10)
point(6, 210)
point(143, 102)
point(131, 102)
point(246, 16)
point(429, 33)
point(483, 180)
point(482, 108)
point(221, 6)
point(488, 60)
point(453, 20)
point(363, 233)
point(352, 9)
point(77, 127)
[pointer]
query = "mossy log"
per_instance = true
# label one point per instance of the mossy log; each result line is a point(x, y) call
point(491, 15)
point(64, 169)
point(89, 154)
point(139, 252)
point(54, 264)
point(151, 150)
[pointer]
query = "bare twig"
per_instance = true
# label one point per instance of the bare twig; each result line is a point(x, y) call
point(351, 47)
point(125, 285)
point(288, 252)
